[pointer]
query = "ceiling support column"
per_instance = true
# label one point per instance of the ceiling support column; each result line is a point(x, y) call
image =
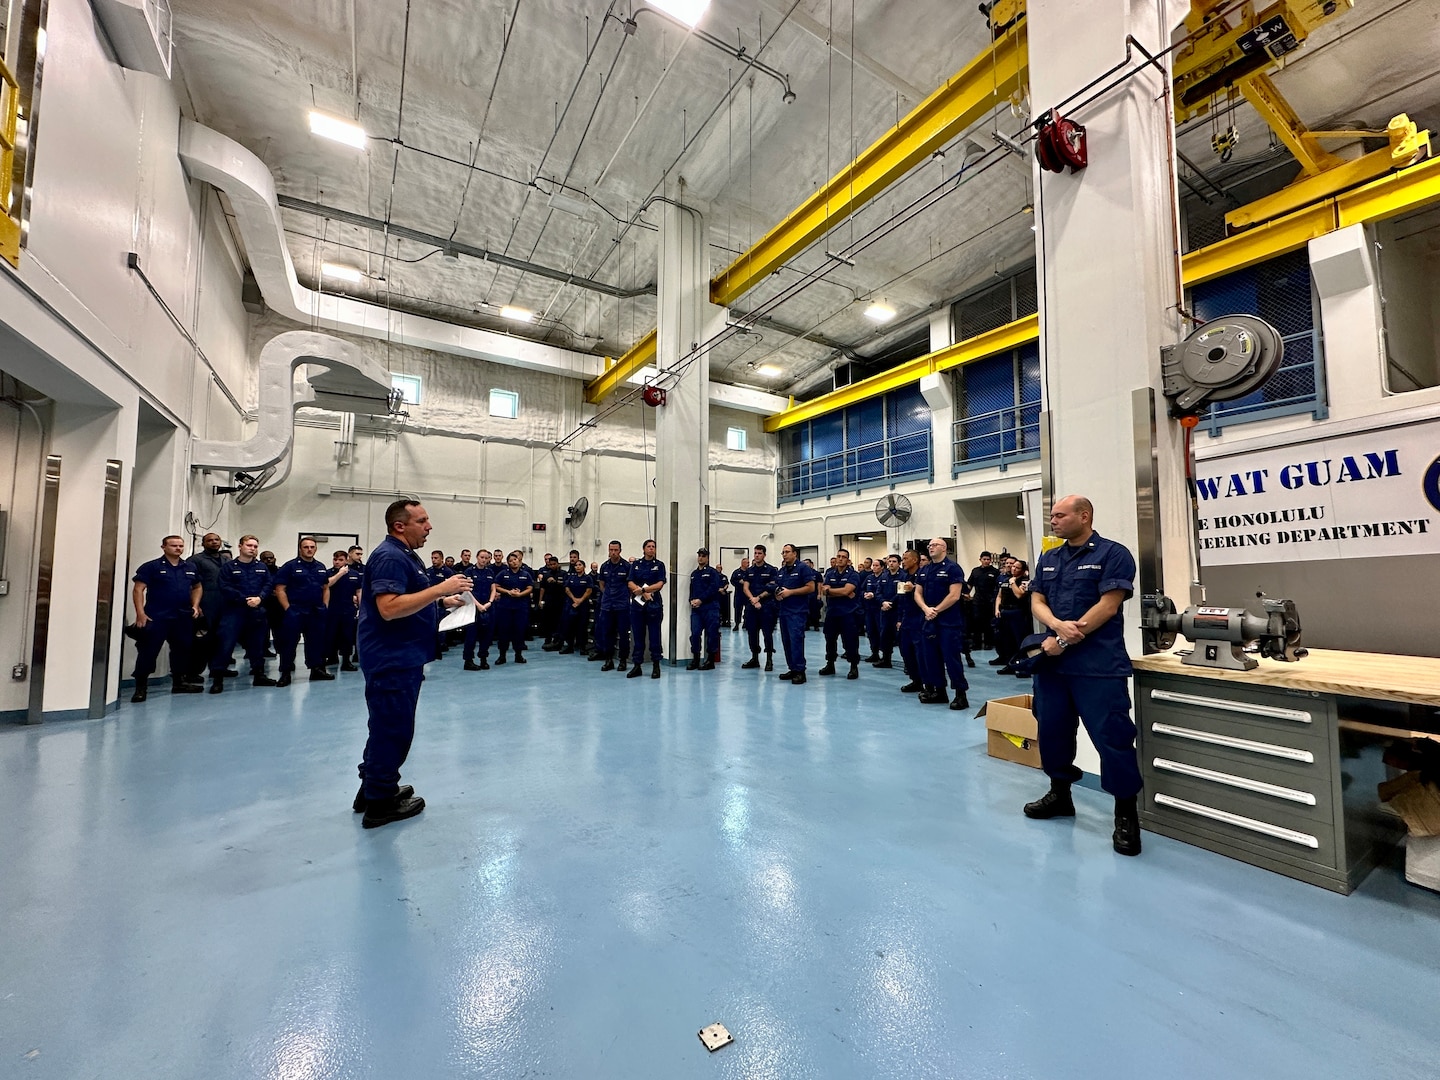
point(682, 424)
point(1109, 293)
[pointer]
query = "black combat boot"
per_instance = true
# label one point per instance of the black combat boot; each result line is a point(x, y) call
point(142, 691)
point(1055, 803)
point(634, 672)
point(655, 668)
point(1127, 827)
point(694, 664)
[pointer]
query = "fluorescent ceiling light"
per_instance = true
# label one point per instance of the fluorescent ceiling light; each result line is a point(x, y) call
point(569, 204)
point(516, 314)
point(880, 313)
point(769, 371)
point(687, 11)
point(332, 127)
point(864, 538)
point(340, 272)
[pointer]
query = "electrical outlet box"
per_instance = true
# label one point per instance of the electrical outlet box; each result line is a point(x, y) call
point(18, 672)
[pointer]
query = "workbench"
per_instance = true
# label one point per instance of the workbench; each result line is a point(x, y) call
point(1278, 766)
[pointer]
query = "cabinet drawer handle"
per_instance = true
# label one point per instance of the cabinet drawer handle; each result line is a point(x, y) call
point(1275, 791)
point(1289, 753)
point(1303, 839)
point(1269, 712)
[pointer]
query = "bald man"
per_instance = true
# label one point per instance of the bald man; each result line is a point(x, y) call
point(1077, 593)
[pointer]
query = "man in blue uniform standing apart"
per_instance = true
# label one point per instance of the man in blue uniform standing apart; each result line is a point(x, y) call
point(1077, 592)
point(398, 607)
point(647, 611)
point(481, 632)
point(706, 594)
point(302, 586)
point(795, 585)
point(762, 610)
point(166, 595)
point(612, 625)
point(939, 595)
point(245, 582)
point(841, 587)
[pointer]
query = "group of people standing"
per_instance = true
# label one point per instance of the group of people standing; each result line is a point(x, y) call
point(205, 605)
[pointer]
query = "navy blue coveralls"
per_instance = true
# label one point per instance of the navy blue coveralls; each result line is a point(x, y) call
point(343, 611)
point(762, 582)
point(645, 619)
point(705, 585)
point(239, 581)
point(1090, 680)
point(305, 593)
point(738, 604)
point(578, 586)
point(1015, 621)
point(208, 565)
point(480, 633)
point(912, 622)
point(794, 611)
point(612, 625)
point(170, 619)
point(942, 639)
point(874, 624)
point(842, 614)
point(886, 593)
point(393, 656)
point(512, 613)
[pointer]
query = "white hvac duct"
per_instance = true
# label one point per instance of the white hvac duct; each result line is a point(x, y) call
point(348, 382)
point(222, 162)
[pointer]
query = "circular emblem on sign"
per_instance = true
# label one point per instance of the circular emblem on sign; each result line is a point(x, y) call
point(1432, 483)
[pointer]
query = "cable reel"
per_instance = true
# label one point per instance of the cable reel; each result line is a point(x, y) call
point(1060, 143)
point(1221, 360)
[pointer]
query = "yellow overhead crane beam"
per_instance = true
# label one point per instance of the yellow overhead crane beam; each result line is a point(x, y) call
point(988, 80)
point(1387, 197)
point(618, 371)
point(9, 205)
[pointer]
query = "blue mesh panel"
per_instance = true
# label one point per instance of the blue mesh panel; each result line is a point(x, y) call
point(907, 412)
point(989, 390)
point(865, 441)
point(1029, 423)
point(1233, 294)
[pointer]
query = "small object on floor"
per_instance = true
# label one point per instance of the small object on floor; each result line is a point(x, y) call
point(715, 1036)
point(960, 702)
point(384, 811)
point(359, 804)
point(319, 674)
point(284, 679)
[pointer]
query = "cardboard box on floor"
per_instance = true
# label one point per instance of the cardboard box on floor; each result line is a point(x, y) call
point(1012, 731)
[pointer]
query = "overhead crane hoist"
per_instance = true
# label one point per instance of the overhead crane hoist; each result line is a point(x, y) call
point(1232, 50)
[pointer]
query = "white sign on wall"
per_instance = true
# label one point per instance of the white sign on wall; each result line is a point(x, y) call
point(1359, 496)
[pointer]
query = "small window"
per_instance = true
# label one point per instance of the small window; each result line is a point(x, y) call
point(735, 438)
point(504, 404)
point(409, 387)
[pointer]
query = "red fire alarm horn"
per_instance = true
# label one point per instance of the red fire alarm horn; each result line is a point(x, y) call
point(653, 396)
point(1060, 142)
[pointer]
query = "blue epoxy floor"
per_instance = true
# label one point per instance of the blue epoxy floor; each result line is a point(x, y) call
point(838, 874)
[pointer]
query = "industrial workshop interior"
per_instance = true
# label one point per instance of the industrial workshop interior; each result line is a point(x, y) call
point(918, 528)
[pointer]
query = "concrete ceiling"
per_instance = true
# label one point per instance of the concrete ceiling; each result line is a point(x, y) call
point(543, 93)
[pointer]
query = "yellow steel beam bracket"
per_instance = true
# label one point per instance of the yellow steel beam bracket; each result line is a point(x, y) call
point(615, 375)
point(9, 123)
point(988, 80)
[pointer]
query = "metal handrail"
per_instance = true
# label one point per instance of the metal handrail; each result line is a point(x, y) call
point(1224, 414)
point(857, 466)
point(1016, 434)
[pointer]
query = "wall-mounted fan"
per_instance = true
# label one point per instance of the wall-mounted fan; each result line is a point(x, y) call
point(893, 510)
point(574, 515)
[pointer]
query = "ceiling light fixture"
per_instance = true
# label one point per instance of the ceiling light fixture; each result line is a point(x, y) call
point(769, 371)
point(517, 314)
point(341, 272)
point(879, 312)
point(687, 11)
point(332, 127)
point(579, 206)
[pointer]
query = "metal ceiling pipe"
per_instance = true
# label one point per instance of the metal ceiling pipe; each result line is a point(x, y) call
point(364, 221)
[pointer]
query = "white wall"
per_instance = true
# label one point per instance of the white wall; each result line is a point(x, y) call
point(108, 182)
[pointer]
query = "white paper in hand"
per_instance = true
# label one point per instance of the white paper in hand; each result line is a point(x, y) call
point(463, 615)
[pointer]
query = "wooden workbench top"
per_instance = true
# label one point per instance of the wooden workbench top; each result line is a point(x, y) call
point(1364, 675)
